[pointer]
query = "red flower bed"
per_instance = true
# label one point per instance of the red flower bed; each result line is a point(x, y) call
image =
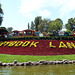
point(43, 47)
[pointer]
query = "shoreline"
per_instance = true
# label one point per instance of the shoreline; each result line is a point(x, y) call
point(42, 62)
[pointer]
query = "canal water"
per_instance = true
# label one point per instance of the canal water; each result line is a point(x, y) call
point(66, 69)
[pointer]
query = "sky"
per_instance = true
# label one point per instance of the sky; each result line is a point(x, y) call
point(18, 13)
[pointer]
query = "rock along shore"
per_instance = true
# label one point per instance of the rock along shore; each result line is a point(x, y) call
point(42, 62)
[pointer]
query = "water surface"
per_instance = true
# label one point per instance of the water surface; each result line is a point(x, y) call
point(61, 69)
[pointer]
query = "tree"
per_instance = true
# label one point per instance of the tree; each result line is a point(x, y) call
point(55, 25)
point(2, 30)
point(43, 27)
point(28, 26)
point(32, 25)
point(1, 15)
point(71, 24)
point(46, 25)
point(9, 29)
point(58, 19)
point(37, 22)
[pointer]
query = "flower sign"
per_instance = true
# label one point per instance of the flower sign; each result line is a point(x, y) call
point(30, 44)
point(38, 47)
point(18, 43)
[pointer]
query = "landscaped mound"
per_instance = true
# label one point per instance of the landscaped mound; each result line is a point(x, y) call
point(38, 47)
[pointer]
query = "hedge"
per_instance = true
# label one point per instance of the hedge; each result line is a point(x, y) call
point(39, 38)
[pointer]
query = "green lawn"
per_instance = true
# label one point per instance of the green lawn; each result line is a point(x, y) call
point(25, 58)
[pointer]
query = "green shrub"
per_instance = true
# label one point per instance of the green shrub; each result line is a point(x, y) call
point(40, 38)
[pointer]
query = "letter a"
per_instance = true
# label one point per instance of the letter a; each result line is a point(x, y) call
point(62, 45)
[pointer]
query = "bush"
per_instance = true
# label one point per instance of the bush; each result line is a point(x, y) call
point(71, 32)
point(40, 38)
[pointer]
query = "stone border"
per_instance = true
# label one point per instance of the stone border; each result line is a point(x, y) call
point(42, 62)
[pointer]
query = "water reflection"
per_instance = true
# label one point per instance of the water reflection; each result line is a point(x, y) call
point(68, 69)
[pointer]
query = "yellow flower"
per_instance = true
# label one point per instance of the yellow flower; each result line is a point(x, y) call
point(12, 43)
point(18, 44)
point(26, 43)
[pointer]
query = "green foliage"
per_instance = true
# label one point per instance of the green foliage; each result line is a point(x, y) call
point(1, 11)
point(1, 14)
point(37, 22)
point(71, 24)
point(32, 25)
point(55, 25)
point(71, 32)
point(46, 25)
point(28, 26)
point(3, 29)
point(9, 29)
point(58, 19)
point(51, 37)
point(43, 26)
